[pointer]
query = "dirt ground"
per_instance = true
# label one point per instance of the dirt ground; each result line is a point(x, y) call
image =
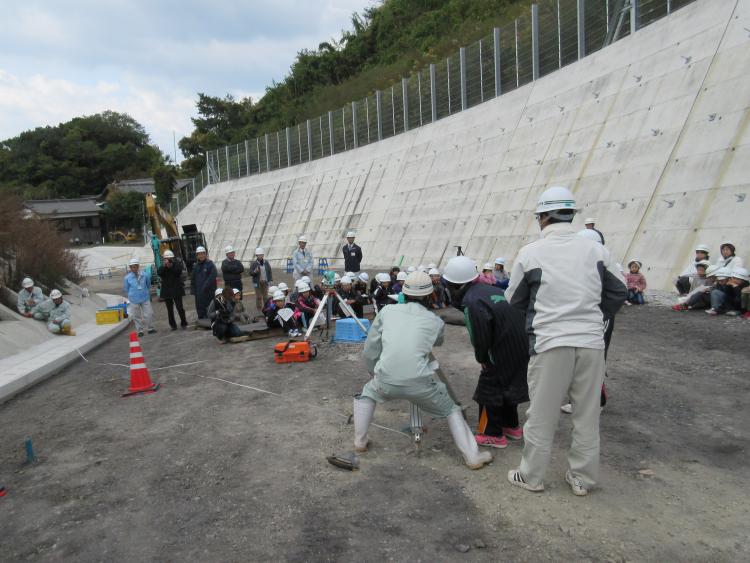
point(226, 462)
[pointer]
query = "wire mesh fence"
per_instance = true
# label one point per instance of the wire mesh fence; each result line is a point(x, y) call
point(552, 34)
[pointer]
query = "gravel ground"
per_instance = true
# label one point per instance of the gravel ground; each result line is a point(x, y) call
point(235, 470)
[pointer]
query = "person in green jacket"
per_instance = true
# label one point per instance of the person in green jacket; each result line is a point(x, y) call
point(397, 354)
point(56, 312)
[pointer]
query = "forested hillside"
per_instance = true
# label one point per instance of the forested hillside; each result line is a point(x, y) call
point(386, 42)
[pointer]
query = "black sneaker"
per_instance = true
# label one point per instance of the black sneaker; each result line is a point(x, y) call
point(151, 330)
point(140, 333)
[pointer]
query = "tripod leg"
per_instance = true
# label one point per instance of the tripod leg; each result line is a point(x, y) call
point(315, 317)
point(348, 310)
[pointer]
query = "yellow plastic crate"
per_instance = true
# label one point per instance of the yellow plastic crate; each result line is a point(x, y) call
point(108, 316)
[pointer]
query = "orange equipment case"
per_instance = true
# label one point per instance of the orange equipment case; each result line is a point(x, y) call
point(292, 351)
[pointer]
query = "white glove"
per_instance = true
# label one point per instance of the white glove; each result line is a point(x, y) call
point(433, 365)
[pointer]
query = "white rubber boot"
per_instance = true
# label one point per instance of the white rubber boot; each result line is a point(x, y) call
point(363, 410)
point(466, 443)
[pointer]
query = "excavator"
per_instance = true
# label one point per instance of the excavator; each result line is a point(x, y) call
point(183, 245)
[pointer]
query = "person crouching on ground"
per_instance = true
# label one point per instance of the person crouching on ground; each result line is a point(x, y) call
point(720, 293)
point(737, 284)
point(501, 276)
point(397, 355)
point(172, 287)
point(137, 287)
point(306, 304)
point(697, 282)
point(221, 314)
point(283, 315)
point(382, 291)
point(55, 311)
point(636, 283)
point(684, 282)
point(352, 297)
point(240, 315)
point(440, 296)
point(29, 297)
point(498, 335)
point(487, 275)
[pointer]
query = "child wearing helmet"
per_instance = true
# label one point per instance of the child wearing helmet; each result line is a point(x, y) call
point(720, 293)
point(352, 297)
point(729, 258)
point(382, 291)
point(440, 296)
point(737, 284)
point(487, 276)
point(283, 315)
point(398, 285)
point(684, 281)
point(397, 355)
point(221, 314)
point(636, 283)
point(307, 304)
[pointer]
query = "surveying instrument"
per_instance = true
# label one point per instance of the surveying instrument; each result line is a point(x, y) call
point(326, 304)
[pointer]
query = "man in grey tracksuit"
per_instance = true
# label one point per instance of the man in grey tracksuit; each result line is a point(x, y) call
point(566, 285)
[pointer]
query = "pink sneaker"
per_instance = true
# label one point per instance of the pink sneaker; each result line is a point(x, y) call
point(513, 433)
point(491, 441)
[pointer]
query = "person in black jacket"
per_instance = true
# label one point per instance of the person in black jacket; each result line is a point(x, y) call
point(203, 282)
point(260, 271)
point(352, 297)
point(352, 254)
point(172, 287)
point(232, 270)
point(498, 334)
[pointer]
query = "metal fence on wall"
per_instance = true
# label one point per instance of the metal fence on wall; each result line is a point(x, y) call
point(552, 34)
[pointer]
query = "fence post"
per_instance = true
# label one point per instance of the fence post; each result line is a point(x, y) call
point(581, 22)
point(433, 93)
point(354, 124)
point(321, 136)
point(393, 111)
point(330, 130)
point(247, 157)
point(343, 124)
point(268, 155)
point(193, 183)
point(257, 151)
point(405, 94)
point(309, 142)
point(559, 36)
point(288, 149)
point(367, 117)
point(448, 81)
point(635, 16)
point(462, 74)
point(419, 95)
point(278, 146)
point(535, 41)
point(518, 70)
point(496, 60)
point(378, 113)
point(229, 168)
point(299, 141)
point(218, 166)
point(481, 74)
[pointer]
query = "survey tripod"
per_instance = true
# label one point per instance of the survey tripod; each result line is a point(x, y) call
point(327, 304)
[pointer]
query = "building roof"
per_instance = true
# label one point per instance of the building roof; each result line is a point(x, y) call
point(145, 185)
point(52, 208)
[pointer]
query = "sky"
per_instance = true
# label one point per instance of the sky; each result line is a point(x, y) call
point(149, 58)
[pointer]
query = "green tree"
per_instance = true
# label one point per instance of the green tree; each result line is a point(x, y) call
point(124, 211)
point(165, 179)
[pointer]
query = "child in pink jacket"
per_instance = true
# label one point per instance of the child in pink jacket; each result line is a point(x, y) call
point(636, 283)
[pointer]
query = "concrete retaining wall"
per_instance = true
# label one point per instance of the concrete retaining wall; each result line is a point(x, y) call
point(651, 134)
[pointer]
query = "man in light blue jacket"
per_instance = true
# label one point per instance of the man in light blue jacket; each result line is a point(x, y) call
point(55, 311)
point(137, 287)
point(29, 297)
point(302, 259)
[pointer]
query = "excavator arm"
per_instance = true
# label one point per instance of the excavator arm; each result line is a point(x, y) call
point(160, 218)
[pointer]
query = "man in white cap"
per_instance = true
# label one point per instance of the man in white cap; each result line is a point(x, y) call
point(565, 327)
point(302, 259)
point(137, 287)
point(231, 270)
point(260, 271)
point(352, 254)
point(397, 355)
point(29, 297)
point(203, 282)
point(55, 311)
point(590, 223)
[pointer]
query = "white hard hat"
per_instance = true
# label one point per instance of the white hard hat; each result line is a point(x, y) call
point(259, 251)
point(302, 238)
point(634, 261)
point(303, 287)
point(382, 277)
point(283, 286)
point(417, 284)
point(273, 289)
point(500, 260)
point(589, 221)
point(460, 269)
point(723, 273)
point(350, 234)
point(228, 249)
point(741, 274)
point(55, 294)
point(278, 295)
point(200, 249)
point(711, 270)
point(702, 248)
point(27, 282)
point(704, 263)
point(555, 198)
point(134, 262)
point(434, 272)
point(168, 254)
point(727, 243)
point(432, 265)
point(218, 291)
point(411, 269)
point(350, 274)
point(364, 276)
point(336, 277)
point(487, 266)
point(590, 234)
point(346, 280)
point(401, 276)
point(235, 290)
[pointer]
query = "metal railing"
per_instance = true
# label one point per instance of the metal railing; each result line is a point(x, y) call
point(553, 33)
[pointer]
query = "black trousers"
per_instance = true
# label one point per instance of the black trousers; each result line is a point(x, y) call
point(492, 420)
point(175, 302)
point(683, 285)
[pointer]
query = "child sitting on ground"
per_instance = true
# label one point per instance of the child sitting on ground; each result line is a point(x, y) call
point(440, 295)
point(307, 304)
point(382, 291)
point(240, 315)
point(734, 288)
point(283, 315)
point(696, 283)
point(636, 283)
point(719, 295)
point(352, 297)
point(487, 276)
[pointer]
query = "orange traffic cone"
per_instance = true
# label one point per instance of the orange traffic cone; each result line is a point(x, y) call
point(140, 380)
